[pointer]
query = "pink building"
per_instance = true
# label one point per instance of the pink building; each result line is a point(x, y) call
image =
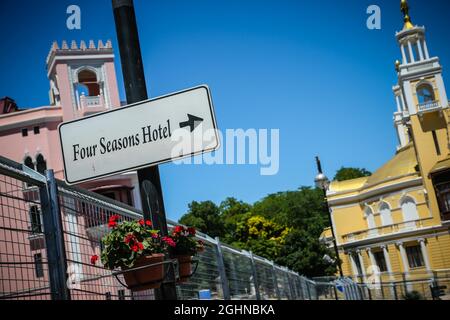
point(82, 81)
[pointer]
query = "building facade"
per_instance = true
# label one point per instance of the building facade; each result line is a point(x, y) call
point(82, 81)
point(396, 222)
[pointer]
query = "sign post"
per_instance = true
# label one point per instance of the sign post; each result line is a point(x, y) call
point(136, 91)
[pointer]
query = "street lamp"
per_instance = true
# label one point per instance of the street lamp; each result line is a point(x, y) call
point(323, 183)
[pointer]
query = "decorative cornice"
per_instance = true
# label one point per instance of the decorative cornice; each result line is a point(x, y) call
point(74, 50)
point(363, 195)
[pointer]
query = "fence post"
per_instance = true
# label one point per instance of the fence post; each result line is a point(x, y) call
point(222, 271)
point(308, 290)
point(275, 281)
point(255, 276)
point(291, 294)
point(54, 238)
point(395, 291)
point(336, 297)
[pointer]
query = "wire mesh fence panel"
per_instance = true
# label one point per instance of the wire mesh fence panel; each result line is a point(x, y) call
point(266, 280)
point(238, 268)
point(205, 276)
point(42, 220)
point(23, 259)
point(85, 221)
point(283, 284)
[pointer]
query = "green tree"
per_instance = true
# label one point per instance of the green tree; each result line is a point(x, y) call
point(351, 173)
point(303, 211)
point(231, 212)
point(205, 216)
point(262, 236)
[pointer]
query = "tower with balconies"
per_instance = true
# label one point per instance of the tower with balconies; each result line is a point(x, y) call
point(82, 78)
point(398, 218)
point(422, 108)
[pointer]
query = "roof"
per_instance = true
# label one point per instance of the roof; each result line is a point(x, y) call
point(441, 166)
point(353, 184)
point(402, 164)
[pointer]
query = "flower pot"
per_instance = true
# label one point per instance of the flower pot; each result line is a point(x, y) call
point(184, 267)
point(146, 278)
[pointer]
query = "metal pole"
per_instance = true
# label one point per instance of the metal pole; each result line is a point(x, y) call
point(330, 221)
point(136, 90)
point(54, 238)
point(275, 281)
point(222, 271)
point(255, 276)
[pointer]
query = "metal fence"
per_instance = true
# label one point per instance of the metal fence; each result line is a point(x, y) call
point(49, 231)
point(416, 285)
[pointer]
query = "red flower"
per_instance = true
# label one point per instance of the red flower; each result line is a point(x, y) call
point(140, 246)
point(113, 221)
point(94, 259)
point(178, 229)
point(129, 237)
point(191, 231)
point(148, 223)
point(135, 248)
point(112, 224)
point(169, 241)
point(141, 222)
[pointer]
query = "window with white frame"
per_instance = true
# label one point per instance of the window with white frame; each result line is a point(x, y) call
point(409, 209)
point(385, 214)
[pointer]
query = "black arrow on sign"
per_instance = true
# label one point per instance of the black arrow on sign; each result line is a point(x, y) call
point(192, 122)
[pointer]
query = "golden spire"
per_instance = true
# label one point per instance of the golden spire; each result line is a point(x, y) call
point(404, 8)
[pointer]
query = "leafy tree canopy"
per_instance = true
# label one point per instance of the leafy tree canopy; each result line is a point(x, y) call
point(351, 173)
point(205, 216)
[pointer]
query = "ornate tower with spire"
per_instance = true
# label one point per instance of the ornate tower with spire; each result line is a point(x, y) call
point(82, 78)
point(422, 115)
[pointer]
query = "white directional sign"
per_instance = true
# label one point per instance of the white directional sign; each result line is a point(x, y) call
point(143, 134)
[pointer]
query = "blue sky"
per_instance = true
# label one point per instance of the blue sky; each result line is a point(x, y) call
point(309, 68)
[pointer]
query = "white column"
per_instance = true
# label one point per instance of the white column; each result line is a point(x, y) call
point(361, 262)
point(387, 258)
point(402, 102)
point(371, 257)
point(404, 257)
point(425, 48)
point(354, 267)
point(399, 107)
point(419, 46)
point(423, 248)
point(401, 134)
point(411, 53)
point(403, 54)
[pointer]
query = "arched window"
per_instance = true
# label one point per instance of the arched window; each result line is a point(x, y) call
point(385, 213)
point(409, 209)
point(87, 79)
point(41, 164)
point(370, 220)
point(425, 93)
point(29, 163)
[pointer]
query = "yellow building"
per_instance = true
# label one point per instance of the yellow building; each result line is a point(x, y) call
point(397, 220)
